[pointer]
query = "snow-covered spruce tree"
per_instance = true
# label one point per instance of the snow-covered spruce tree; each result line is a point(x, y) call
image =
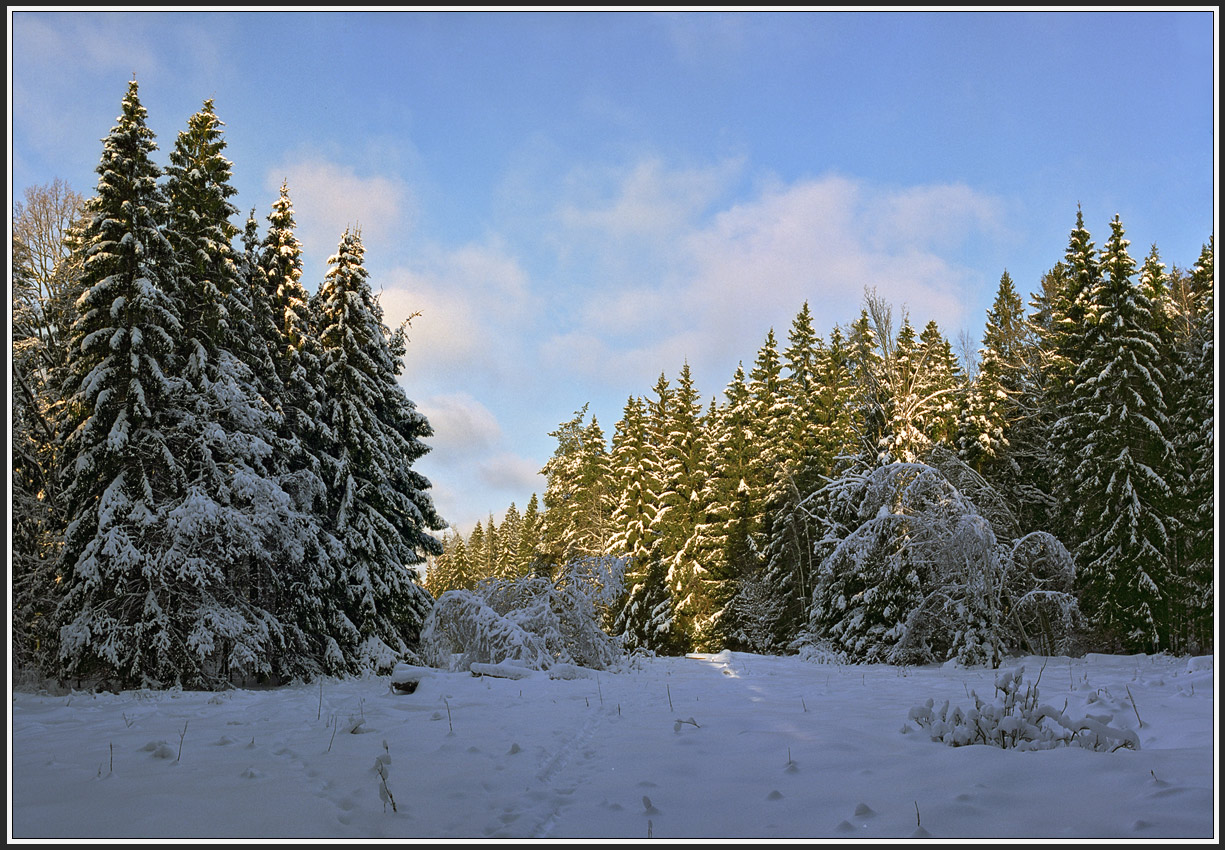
point(527, 551)
point(789, 548)
point(912, 572)
point(235, 524)
point(684, 472)
point(308, 607)
point(942, 378)
point(1115, 459)
point(722, 539)
point(645, 618)
point(1194, 423)
point(126, 612)
point(578, 500)
point(378, 504)
point(450, 570)
point(997, 398)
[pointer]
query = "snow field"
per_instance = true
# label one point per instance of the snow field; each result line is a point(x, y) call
point(777, 748)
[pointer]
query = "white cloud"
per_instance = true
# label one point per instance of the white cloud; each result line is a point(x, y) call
point(473, 302)
point(726, 279)
point(513, 473)
point(462, 425)
point(648, 201)
point(328, 198)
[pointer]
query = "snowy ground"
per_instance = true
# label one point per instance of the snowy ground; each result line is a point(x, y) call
point(778, 748)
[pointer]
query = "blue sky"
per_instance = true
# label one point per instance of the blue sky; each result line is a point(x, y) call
point(577, 202)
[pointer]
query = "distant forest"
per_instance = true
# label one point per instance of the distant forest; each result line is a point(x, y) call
point(755, 523)
point(213, 469)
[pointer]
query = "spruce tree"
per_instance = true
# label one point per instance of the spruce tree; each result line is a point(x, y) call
point(125, 613)
point(1118, 452)
point(994, 403)
point(235, 520)
point(1192, 420)
point(726, 526)
point(578, 499)
point(378, 503)
point(684, 472)
point(646, 619)
point(527, 553)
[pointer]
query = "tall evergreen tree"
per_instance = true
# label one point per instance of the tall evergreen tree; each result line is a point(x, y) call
point(1192, 420)
point(684, 472)
point(578, 500)
point(527, 553)
point(1000, 417)
point(125, 611)
point(380, 508)
point(235, 519)
point(723, 538)
point(1118, 451)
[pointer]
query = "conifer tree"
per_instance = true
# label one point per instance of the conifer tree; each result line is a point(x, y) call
point(684, 472)
point(941, 377)
point(379, 507)
point(476, 556)
point(450, 570)
point(508, 544)
point(645, 618)
point(789, 550)
point(1115, 430)
point(578, 501)
point(125, 611)
point(721, 541)
point(995, 401)
point(527, 552)
point(295, 340)
point(235, 520)
point(867, 374)
point(1192, 421)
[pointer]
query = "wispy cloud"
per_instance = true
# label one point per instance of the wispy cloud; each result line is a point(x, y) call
point(473, 302)
point(329, 197)
point(729, 276)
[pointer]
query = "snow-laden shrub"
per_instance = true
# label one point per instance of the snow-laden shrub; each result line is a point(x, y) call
point(531, 621)
point(911, 572)
point(1015, 719)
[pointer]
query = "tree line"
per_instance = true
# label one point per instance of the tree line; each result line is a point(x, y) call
point(212, 468)
point(1088, 418)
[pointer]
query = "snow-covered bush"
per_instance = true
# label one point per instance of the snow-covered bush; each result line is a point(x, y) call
point(1016, 720)
point(531, 621)
point(910, 571)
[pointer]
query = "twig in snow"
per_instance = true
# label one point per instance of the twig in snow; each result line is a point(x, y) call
point(182, 735)
point(1133, 706)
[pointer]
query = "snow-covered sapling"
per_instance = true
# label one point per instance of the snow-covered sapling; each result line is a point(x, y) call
point(382, 766)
